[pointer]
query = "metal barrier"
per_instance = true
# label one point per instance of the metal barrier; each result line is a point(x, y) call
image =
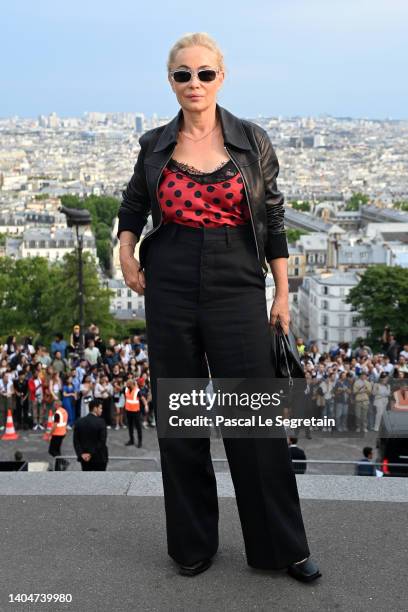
point(61, 458)
point(338, 461)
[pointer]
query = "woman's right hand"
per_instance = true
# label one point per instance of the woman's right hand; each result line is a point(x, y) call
point(133, 276)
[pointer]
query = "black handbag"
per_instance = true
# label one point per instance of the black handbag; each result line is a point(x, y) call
point(288, 367)
point(285, 355)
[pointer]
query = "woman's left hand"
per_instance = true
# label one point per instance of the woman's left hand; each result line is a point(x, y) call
point(280, 310)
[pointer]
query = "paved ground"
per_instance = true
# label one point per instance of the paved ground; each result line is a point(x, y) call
point(149, 484)
point(103, 541)
point(110, 553)
point(321, 446)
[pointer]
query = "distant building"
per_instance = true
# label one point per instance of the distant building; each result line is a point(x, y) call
point(13, 182)
point(53, 121)
point(139, 123)
point(125, 304)
point(363, 254)
point(34, 215)
point(376, 214)
point(321, 313)
point(393, 231)
point(52, 243)
point(304, 221)
point(314, 247)
point(296, 262)
point(319, 141)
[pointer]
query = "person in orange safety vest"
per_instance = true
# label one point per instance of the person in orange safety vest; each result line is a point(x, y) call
point(57, 434)
point(132, 408)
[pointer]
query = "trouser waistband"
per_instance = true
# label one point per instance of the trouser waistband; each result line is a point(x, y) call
point(209, 234)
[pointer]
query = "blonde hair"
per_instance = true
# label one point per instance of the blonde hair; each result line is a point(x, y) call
point(192, 39)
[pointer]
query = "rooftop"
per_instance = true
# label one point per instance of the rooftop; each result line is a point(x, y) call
point(337, 278)
point(316, 241)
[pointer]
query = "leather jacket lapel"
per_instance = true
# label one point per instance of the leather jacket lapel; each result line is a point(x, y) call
point(233, 131)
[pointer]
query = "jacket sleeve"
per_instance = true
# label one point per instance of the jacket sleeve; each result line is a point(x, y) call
point(276, 245)
point(77, 444)
point(102, 437)
point(135, 205)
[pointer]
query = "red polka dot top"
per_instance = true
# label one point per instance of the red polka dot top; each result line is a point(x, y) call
point(202, 199)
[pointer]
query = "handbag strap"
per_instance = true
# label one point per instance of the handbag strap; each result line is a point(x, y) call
point(284, 349)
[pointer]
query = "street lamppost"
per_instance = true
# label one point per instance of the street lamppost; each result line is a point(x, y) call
point(80, 219)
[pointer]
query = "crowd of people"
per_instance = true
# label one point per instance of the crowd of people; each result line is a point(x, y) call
point(36, 379)
point(353, 386)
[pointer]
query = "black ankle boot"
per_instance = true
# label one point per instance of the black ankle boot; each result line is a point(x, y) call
point(305, 571)
point(196, 568)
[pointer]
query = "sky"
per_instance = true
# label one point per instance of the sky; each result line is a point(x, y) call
point(283, 57)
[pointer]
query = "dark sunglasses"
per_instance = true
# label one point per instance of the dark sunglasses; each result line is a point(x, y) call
point(183, 75)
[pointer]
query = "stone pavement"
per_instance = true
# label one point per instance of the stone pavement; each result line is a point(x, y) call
point(101, 537)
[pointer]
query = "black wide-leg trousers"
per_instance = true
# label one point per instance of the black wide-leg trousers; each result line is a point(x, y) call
point(206, 310)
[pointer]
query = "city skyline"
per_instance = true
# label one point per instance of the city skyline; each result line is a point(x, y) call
point(151, 114)
point(341, 59)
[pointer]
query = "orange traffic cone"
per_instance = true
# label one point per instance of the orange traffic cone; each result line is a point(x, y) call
point(10, 433)
point(50, 423)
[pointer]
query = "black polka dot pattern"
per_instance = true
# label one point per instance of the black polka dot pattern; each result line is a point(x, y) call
point(218, 203)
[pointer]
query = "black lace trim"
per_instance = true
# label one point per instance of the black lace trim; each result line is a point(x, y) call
point(224, 172)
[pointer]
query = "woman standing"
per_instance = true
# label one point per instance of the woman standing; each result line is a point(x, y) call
point(10, 346)
point(68, 400)
point(119, 403)
point(209, 180)
point(86, 390)
point(104, 391)
point(46, 374)
point(55, 389)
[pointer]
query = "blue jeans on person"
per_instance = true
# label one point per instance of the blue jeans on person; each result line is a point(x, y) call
point(328, 409)
point(341, 416)
point(372, 411)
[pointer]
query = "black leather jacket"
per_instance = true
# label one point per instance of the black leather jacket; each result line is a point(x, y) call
point(249, 147)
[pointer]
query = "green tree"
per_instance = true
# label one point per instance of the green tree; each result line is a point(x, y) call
point(64, 296)
point(401, 205)
point(72, 201)
point(356, 199)
point(294, 234)
point(22, 285)
point(103, 249)
point(380, 298)
point(302, 206)
point(39, 298)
